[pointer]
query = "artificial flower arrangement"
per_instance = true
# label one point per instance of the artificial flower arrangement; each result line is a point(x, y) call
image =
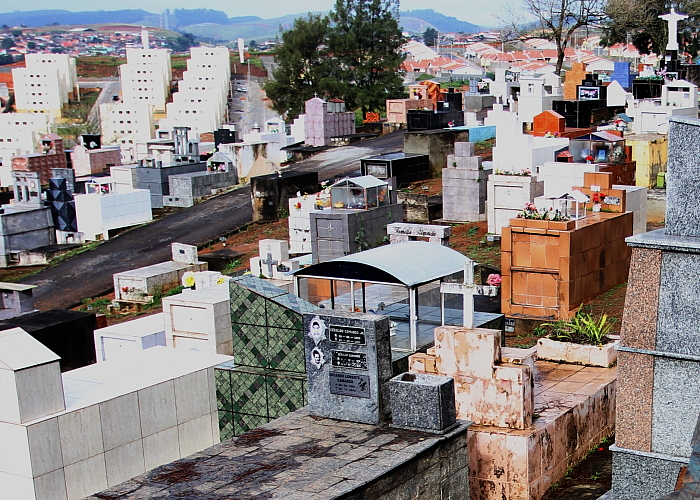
point(531, 212)
point(550, 135)
point(522, 172)
point(589, 159)
point(494, 280)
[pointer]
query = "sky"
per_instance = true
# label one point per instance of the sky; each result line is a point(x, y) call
point(473, 11)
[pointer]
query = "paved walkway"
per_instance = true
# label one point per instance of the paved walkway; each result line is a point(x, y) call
point(90, 274)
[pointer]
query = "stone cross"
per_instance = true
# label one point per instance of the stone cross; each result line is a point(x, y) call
point(467, 290)
point(672, 19)
point(269, 262)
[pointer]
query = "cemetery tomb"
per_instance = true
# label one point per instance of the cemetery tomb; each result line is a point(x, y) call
point(273, 261)
point(437, 144)
point(608, 150)
point(399, 169)
point(153, 175)
point(188, 189)
point(270, 193)
point(325, 120)
point(534, 97)
point(448, 113)
point(658, 352)
point(508, 192)
point(289, 456)
point(397, 109)
point(512, 455)
point(650, 152)
point(622, 74)
point(617, 96)
point(199, 320)
point(582, 114)
point(605, 196)
point(360, 210)
point(75, 434)
point(393, 280)
point(348, 365)
point(120, 341)
point(67, 333)
point(572, 79)
point(268, 379)
point(420, 208)
point(16, 299)
point(558, 176)
point(549, 268)
point(139, 285)
point(551, 124)
point(300, 220)
point(464, 187)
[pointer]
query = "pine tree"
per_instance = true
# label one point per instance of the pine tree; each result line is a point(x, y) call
point(304, 66)
point(365, 41)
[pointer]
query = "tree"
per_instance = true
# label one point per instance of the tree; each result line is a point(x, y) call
point(304, 66)
point(365, 42)
point(31, 45)
point(557, 20)
point(430, 36)
point(252, 45)
point(638, 21)
point(7, 43)
point(16, 33)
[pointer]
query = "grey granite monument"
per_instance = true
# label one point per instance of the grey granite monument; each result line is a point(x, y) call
point(348, 363)
point(423, 402)
point(659, 358)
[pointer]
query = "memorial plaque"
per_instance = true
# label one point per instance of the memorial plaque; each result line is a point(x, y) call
point(378, 171)
point(346, 359)
point(346, 384)
point(347, 334)
point(611, 200)
point(348, 365)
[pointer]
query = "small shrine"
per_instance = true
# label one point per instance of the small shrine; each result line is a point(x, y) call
point(360, 193)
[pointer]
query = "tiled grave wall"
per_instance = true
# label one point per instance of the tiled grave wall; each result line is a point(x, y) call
point(268, 379)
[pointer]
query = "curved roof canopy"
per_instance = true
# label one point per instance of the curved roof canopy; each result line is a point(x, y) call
point(409, 263)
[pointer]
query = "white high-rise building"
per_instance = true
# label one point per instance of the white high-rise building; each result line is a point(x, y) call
point(46, 84)
point(202, 96)
point(20, 134)
point(146, 76)
point(126, 124)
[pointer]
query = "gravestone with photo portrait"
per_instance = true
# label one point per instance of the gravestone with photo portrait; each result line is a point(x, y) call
point(348, 363)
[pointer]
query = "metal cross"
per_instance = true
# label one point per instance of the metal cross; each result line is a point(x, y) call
point(269, 263)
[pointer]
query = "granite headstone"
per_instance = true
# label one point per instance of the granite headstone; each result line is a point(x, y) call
point(348, 363)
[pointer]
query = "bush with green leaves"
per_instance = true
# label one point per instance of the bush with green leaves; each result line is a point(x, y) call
point(583, 328)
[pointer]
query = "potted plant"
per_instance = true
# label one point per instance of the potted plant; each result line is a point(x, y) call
point(552, 219)
point(582, 340)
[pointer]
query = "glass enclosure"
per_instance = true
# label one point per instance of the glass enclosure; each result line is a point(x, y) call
point(398, 302)
point(597, 151)
point(347, 194)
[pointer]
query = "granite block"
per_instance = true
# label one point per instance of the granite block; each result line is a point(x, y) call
point(678, 318)
point(634, 400)
point(676, 404)
point(640, 477)
point(420, 401)
point(348, 359)
point(683, 177)
point(641, 302)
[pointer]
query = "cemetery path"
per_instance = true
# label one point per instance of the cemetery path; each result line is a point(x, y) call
point(89, 274)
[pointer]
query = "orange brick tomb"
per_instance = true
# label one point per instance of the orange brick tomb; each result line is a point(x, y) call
point(551, 268)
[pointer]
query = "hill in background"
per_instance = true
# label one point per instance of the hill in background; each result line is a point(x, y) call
point(215, 24)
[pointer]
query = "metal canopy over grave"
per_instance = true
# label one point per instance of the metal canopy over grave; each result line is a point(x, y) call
point(389, 280)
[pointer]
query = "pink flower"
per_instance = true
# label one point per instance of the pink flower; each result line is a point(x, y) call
point(494, 279)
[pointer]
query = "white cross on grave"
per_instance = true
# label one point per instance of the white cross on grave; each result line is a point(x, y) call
point(269, 262)
point(467, 290)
